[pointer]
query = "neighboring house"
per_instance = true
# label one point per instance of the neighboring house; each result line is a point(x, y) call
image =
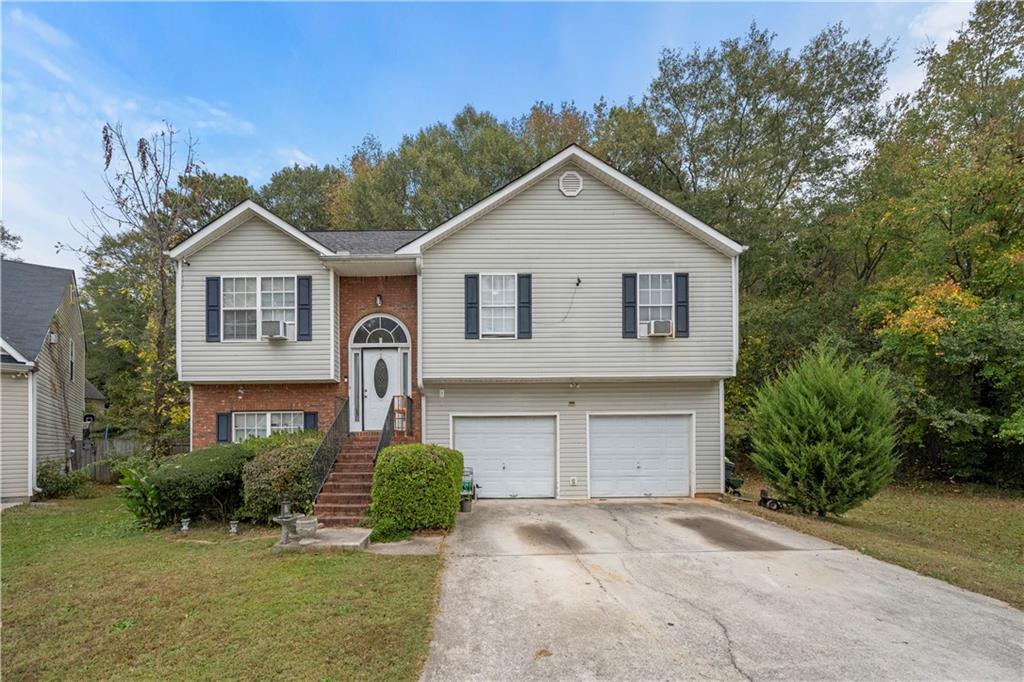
point(95, 401)
point(570, 334)
point(42, 387)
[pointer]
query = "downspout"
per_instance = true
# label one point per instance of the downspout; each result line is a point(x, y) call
point(419, 348)
point(32, 412)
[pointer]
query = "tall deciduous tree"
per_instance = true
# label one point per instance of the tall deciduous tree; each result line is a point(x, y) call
point(298, 194)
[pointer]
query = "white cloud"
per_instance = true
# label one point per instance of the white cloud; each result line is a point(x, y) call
point(940, 22)
point(291, 155)
point(44, 31)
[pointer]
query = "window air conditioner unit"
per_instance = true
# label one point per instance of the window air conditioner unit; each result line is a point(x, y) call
point(659, 328)
point(273, 329)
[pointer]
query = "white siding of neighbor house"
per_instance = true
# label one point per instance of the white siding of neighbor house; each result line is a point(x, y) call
point(60, 396)
point(577, 331)
point(255, 248)
point(701, 397)
point(13, 436)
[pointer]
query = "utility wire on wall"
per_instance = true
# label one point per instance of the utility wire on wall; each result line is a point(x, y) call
point(572, 299)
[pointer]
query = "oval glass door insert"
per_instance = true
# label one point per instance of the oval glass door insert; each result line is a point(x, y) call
point(380, 378)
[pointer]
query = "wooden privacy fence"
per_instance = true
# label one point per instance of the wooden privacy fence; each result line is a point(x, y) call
point(91, 455)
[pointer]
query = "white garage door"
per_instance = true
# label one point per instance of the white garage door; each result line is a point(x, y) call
point(510, 456)
point(639, 455)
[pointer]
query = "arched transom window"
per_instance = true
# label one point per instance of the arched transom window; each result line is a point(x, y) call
point(380, 330)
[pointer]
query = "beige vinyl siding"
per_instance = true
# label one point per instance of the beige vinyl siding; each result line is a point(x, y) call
point(60, 397)
point(14, 436)
point(577, 331)
point(699, 397)
point(252, 249)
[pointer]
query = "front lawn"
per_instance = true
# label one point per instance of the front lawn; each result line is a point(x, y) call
point(87, 596)
point(971, 536)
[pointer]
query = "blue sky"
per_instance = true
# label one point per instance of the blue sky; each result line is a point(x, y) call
point(264, 85)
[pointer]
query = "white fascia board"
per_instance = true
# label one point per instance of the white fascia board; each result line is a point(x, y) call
point(226, 222)
point(9, 349)
point(594, 165)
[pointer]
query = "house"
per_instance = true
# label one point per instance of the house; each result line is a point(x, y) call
point(570, 334)
point(42, 382)
point(95, 402)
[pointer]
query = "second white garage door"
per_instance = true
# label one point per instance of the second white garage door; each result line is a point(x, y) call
point(510, 456)
point(639, 455)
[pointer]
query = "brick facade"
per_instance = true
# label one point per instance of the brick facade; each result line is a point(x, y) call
point(398, 299)
point(357, 300)
point(209, 399)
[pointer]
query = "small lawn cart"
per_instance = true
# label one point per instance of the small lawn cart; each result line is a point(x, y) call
point(732, 484)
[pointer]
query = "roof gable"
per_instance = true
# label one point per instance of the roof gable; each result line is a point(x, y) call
point(239, 215)
point(29, 297)
point(603, 172)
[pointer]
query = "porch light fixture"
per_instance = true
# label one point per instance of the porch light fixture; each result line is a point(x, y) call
point(379, 300)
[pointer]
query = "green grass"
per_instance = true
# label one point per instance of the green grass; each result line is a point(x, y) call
point(88, 596)
point(970, 536)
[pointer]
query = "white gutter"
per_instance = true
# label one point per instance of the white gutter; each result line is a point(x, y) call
point(419, 322)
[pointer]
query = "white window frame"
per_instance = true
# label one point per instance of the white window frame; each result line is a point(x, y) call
point(71, 358)
point(672, 305)
point(268, 429)
point(515, 305)
point(289, 327)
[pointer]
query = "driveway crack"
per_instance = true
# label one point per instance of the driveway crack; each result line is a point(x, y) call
point(625, 528)
point(707, 612)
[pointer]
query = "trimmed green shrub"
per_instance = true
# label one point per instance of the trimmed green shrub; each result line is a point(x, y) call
point(823, 433)
point(54, 483)
point(415, 487)
point(388, 530)
point(202, 483)
point(140, 496)
point(279, 468)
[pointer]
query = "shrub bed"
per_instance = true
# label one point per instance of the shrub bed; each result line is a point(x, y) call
point(415, 487)
point(824, 432)
point(279, 469)
point(202, 483)
point(53, 482)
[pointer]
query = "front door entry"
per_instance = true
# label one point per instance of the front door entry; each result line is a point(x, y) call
point(382, 379)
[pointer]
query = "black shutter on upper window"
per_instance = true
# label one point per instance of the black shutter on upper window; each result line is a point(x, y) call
point(629, 306)
point(309, 421)
point(682, 305)
point(213, 309)
point(223, 427)
point(472, 306)
point(304, 298)
point(524, 307)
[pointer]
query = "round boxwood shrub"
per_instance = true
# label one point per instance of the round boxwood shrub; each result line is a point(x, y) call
point(279, 469)
point(415, 487)
point(823, 433)
point(202, 483)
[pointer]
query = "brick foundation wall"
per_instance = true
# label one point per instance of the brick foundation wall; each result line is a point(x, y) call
point(209, 399)
point(358, 300)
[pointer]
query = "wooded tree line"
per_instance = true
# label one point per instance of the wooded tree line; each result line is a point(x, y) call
point(892, 228)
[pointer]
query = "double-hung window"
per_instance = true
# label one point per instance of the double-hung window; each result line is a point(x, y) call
point(246, 302)
point(498, 306)
point(656, 297)
point(256, 424)
point(239, 306)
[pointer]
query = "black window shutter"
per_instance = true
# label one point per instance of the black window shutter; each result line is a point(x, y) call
point(309, 421)
point(304, 327)
point(213, 309)
point(472, 306)
point(524, 308)
point(682, 305)
point(629, 306)
point(223, 427)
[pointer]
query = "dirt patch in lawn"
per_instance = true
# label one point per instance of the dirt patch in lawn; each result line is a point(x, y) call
point(550, 535)
point(727, 535)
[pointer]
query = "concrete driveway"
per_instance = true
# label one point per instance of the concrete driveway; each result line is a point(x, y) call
point(652, 590)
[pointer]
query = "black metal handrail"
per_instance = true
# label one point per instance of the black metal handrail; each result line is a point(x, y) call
point(326, 453)
point(387, 432)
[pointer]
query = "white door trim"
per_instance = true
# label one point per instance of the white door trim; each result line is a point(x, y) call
point(353, 348)
point(654, 413)
point(558, 436)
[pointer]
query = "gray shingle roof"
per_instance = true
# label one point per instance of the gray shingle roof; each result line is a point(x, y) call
point(93, 393)
point(29, 296)
point(363, 242)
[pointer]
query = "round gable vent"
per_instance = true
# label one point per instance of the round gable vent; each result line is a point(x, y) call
point(570, 184)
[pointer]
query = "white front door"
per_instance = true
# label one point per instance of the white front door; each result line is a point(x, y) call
point(639, 455)
point(381, 380)
point(510, 456)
